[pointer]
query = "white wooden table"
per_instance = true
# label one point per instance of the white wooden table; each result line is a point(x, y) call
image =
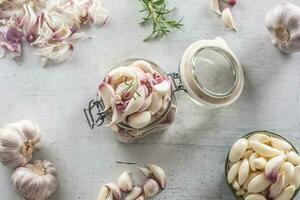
point(193, 150)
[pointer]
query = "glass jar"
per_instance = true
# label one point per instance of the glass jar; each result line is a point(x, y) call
point(248, 135)
point(209, 73)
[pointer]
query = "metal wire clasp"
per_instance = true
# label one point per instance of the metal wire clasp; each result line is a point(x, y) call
point(177, 82)
point(95, 113)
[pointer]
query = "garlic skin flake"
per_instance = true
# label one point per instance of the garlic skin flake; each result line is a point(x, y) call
point(18, 142)
point(227, 19)
point(125, 182)
point(35, 181)
point(283, 23)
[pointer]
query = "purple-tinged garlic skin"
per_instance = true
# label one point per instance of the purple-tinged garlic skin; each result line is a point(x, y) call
point(276, 187)
point(135, 193)
point(151, 188)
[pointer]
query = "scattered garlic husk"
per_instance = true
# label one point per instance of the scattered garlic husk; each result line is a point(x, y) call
point(283, 25)
point(18, 142)
point(35, 181)
point(228, 19)
point(159, 174)
point(151, 188)
point(214, 5)
point(238, 149)
point(125, 182)
point(135, 193)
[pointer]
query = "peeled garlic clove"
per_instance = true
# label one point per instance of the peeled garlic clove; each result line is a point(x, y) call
point(115, 76)
point(258, 184)
point(35, 181)
point(18, 142)
point(236, 185)
point(289, 170)
point(233, 171)
point(263, 149)
point(280, 144)
point(136, 102)
point(282, 23)
point(255, 197)
point(296, 179)
point(139, 119)
point(151, 188)
point(260, 163)
point(228, 19)
point(125, 182)
point(163, 88)
point(240, 192)
point(287, 193)
point(145, 171)
point(147, 103)
point(250, 177)
point(143, 65)
point(243, 171)
point(259, 137)
point(115, 190)
point(106, 92)
point(273, 166)
point(159, 174)
point(156, 103)
point(105, 193)
point(293, 157)
point(214, 5)
point(238, 149)
point(276, 187)
point(230, 2)
point(251, 161)
point(247, 154)
point(135, 72)
point(134, 194)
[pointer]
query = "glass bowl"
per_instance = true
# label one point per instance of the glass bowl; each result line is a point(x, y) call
point(268, 133)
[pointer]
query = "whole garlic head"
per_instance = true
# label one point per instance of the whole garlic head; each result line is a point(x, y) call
point(18, 141)
point(283, 23)
point(36, 181)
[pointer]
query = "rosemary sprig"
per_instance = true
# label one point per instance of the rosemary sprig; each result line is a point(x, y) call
point(157, 15)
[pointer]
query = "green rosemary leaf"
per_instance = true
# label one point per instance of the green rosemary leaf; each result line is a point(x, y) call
point(157, 14)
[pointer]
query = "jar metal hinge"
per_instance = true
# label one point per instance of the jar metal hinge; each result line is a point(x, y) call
point(95, 113)
point(176, 79)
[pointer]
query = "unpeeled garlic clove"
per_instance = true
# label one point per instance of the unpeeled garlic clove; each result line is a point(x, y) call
point(163, 88)
point(250, 177)
point(159, 174)
point(273, 166)
point(139, 119)
point(228, 19)
point(136, 102)
point(151, 188)
point(147, 103)
point(230, 2)
point(156, 103)
point(115, 190)
point(289, 170)
point(117, 116)
point(135, 193)
point(259, 137)
point(105, 193)
point(214, 5)
point(258, 184)
point(255, 197)
point(260, 163)
point(140, 198)
point(263, 149)
point(238, 149)
point(252, 158)
point(280, 144)
point(145, 171)
point(233, 171)
point(276, 187)
point(243, 172)
point(143, 65)
point(293, 157)
point(125, 181)
point(296, 179)
point(287, 193)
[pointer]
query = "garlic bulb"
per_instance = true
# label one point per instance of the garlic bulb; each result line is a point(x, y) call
point(18, 141)
point(35, 181)
point(283, 23)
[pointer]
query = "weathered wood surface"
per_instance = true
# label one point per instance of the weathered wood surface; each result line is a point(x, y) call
point(193, 150)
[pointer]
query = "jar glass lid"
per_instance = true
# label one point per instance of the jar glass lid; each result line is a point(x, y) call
point(211, 73)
